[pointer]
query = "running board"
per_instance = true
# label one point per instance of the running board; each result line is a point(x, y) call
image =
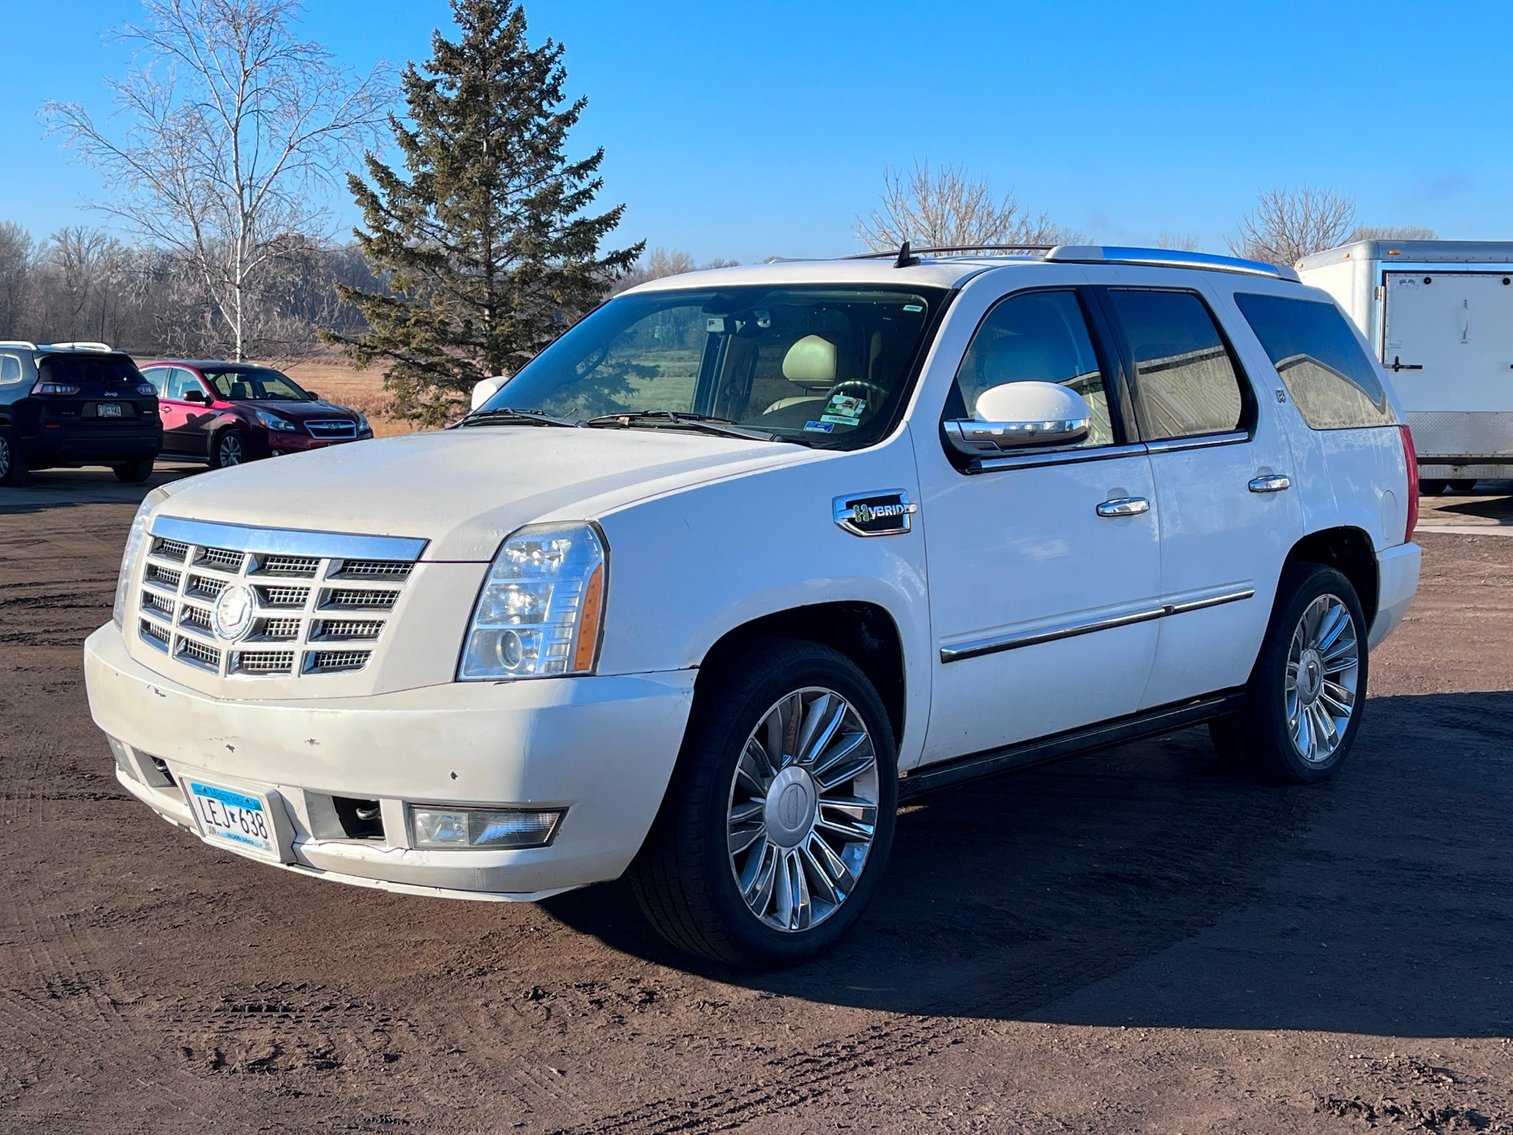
point(1072, 743)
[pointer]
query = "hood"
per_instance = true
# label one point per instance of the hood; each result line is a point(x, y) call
point(297, 411)
point(465, 490)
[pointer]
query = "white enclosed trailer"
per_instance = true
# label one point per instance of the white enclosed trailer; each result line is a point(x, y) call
point(1439, 316)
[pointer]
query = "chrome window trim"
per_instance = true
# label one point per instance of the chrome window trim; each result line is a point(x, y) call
point(1200, 441)
point(287, 541)
point(1035, 460)
point(996, 644)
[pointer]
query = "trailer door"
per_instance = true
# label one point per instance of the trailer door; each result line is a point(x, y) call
point(1447, 340)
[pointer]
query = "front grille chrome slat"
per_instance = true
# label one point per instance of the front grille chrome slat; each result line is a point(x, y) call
point(312, 614)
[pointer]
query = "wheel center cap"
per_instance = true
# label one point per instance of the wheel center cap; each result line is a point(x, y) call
point(1310, 676)
point(791, 805)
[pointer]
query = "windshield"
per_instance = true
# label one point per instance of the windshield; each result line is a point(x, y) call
point(261, 384)
point(824, 365)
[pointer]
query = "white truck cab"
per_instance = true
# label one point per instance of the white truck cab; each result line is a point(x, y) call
point(748, 555)
point(1438, 314)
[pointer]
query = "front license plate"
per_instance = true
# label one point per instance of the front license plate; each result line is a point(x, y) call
point(108, 409)
point(232, 816)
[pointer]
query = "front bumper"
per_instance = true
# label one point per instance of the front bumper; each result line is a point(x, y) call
point(279, 443)
point(603, 748)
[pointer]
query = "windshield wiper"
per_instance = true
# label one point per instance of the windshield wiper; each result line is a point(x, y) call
point(680, 419)
point(506, 416)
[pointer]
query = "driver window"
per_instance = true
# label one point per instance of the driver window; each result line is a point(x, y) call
point(1035, 336)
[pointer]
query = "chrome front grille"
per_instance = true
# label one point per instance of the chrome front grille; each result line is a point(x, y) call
point(332, 428)
point(304, 619)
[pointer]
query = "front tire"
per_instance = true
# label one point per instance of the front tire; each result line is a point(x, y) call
point(1306, 693)
point(780, 816)
point(13, 469)
point(135, 471)
point(1432, 487)
point(227, 448)
point(1462, 485)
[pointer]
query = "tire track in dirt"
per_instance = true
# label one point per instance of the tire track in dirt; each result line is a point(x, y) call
point(1008, 987)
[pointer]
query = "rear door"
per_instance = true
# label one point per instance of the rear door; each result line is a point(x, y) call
point(185, 423)
point(1447, 340)
point(1226, 511)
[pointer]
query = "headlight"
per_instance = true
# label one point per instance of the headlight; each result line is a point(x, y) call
point(541, 607)
point(134, 537)
point(275, 423)
point(362, 421)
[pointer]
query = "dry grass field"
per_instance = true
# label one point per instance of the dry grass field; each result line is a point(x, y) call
point(361, 388)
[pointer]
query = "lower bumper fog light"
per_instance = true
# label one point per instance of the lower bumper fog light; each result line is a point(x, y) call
point(483, 828)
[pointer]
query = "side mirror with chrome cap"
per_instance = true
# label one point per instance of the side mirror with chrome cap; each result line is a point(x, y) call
point(486, 388)
point(1017, 415)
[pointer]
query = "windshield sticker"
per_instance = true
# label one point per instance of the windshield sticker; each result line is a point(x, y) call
point(819, 427)
point(844, 410)
point(914, 307)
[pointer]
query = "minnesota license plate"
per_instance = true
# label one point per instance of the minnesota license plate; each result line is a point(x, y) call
point(236, 817)
point(108, 409)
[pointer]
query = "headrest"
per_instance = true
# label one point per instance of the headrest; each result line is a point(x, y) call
point(810, 362)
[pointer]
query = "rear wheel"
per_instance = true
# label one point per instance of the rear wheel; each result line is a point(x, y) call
point(1432, 486)
point(1462, 485)
point(1304, 699)
point(135, 471)
point(780, 817)
point(13, 469)
point(227, 448)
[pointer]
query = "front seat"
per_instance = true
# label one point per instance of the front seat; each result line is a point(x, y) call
point(809, 365)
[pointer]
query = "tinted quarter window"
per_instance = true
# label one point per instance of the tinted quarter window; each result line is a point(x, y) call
point(1188, 383)
point(1332, 382)
point(10, 369)
point(1034, 337)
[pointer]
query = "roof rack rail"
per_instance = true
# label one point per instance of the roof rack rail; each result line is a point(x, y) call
point(24, 344)
point(81, 345)
point(1165, 258)
point(953, 249)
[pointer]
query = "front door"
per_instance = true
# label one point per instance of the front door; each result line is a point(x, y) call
point(1043, 604)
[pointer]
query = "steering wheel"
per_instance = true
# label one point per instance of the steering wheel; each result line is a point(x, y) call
point(871, 391)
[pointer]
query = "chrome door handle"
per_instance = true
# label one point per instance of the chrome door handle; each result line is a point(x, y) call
point(1124, 506)
point(1275, 483)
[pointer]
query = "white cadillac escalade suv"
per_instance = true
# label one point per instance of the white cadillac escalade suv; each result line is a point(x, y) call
point(748, 555)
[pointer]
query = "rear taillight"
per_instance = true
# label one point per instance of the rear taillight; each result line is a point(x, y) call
point(1410, 455)
point(146, 388)
point(54, 388)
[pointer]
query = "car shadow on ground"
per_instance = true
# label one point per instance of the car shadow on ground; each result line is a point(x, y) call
point(1499, 508)
point(1148, 886)
point(50, 489)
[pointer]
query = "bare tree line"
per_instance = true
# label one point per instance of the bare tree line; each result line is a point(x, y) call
point(83, 283)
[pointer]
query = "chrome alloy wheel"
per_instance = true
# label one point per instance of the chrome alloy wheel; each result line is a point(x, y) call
point(230, 447)
point(803, 809)
point(1323, 675)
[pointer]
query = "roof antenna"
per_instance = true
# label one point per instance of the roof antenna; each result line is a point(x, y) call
point(905, 257)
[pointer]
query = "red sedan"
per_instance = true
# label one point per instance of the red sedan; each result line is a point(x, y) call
point(227, 413)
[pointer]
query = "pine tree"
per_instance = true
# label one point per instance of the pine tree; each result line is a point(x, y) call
point(483, 240)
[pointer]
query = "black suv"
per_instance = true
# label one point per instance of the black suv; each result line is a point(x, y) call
point(75, 404)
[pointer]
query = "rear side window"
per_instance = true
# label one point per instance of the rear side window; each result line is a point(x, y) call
point(10, 369)
point(1189, 385)
point(1318, 357)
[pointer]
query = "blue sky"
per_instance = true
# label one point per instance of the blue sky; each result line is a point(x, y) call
point(752, 130)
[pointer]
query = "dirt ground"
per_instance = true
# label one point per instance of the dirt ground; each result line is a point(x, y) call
point(1131, 941)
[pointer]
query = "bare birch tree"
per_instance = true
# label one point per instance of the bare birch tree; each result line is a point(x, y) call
point(234, 131)
point(948, 208)
point(1287, 225)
